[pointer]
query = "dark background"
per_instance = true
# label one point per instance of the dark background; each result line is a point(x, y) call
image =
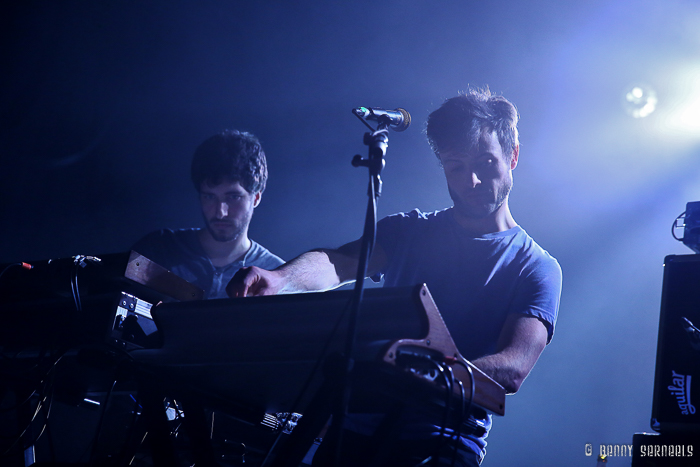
point(103, 104)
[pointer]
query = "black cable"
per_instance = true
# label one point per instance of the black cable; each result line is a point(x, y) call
point(52, 449)
point(364, 121)
point(457, 433)
point(449, 383)
point(46, 393)
point(100, 423)
point(8, 267)
point(74, 287)
point(472, 390)
point(17, 438)
point(80, 261)
point(42, 388)
point(45, 428)
point(16, 373)
point(322, 355)
point(103, 409)
point(19, 404)
point(466, 411)
point(42, 354)
point(472, 384)
point(129, 441)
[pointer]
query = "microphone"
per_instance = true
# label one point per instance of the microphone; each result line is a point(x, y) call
point(398, 119)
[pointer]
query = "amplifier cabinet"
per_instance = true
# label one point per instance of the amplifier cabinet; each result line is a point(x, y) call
point(676, 401)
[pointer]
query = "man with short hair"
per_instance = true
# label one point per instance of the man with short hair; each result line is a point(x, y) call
point(496, 289)
point(229, 170)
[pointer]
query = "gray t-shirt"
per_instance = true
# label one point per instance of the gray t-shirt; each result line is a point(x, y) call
point(180, 252)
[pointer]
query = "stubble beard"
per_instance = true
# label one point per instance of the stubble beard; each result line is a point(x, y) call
point(483, 211)
point(223, 236)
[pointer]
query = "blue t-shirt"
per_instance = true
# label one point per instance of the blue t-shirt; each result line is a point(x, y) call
point(476, 282)
point(180, 252)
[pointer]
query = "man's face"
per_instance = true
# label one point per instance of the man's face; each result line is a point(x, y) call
point(227, 209)
point(479, 180)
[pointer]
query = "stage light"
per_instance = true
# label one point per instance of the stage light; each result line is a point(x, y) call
point(685, 115)
point(639, 100)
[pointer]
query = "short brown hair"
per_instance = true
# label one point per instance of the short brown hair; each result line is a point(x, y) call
point(459, 122)
point(231, 155)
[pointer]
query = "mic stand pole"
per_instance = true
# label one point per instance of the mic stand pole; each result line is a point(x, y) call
point(378, 141)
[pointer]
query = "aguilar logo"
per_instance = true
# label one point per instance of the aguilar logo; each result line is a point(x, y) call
point(680, 388)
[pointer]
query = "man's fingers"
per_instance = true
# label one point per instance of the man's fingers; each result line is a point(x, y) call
point(260, 287)
point(242, 290)
point(240, 283)
point(252, 281)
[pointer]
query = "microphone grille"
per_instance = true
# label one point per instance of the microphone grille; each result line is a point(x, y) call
point(406, 120)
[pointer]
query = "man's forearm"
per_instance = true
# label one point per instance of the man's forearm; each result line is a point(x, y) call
point(521, 342)
point(500, 369)
point(315, 270)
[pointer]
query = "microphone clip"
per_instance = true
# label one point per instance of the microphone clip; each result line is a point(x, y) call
point(378, 142)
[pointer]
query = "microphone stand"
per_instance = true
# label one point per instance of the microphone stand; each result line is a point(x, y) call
point(377, 141)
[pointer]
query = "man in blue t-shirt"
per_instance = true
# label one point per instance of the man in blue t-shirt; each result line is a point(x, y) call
point(229, 170)
point(496, 289)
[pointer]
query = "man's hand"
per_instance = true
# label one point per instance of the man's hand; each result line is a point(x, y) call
point(254, 281)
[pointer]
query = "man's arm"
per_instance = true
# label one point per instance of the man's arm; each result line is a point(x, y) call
point(315, 270)
point(520, 344)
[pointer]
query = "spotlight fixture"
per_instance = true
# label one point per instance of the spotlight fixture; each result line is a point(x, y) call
point(639, 100)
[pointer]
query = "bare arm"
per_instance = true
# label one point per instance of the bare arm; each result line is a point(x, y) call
point(520, 344)
point(315, 270)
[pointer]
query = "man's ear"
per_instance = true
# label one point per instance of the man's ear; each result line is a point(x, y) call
point(256, 200)
point(514, 159)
